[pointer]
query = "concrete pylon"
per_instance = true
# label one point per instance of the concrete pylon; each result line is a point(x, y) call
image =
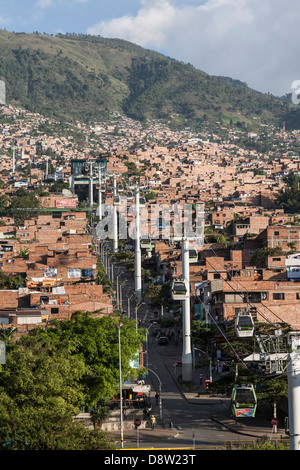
point(91, 187)
point(115, 229)
point(187, 359)
point(293, 375)
point(137, 258)
point(99, 194)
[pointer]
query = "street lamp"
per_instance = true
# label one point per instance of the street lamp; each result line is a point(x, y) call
point(154, 323)
point(118, 287)
point(159, 389)
point(138, 305)
point(120, 383)
point(128, 304)
point(120, 294)
point(210, 371)
point(110, 271)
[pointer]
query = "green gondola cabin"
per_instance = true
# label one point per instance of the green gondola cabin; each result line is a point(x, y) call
point(243, 401)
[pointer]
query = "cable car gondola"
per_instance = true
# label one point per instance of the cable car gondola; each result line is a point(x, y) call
point(193, 256)
point(244, 325)
point(109, 191)
point(243, 401)
point(146, 243)
point(161, 222)
point(117, 200)
point(179, 290)
point(129, 195)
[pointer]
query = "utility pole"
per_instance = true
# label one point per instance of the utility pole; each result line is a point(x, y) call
point(187, 360)
point(138, 259)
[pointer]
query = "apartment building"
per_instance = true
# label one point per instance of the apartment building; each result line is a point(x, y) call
point(285, 236)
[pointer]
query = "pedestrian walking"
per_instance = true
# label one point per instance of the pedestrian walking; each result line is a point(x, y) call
point(153, 421)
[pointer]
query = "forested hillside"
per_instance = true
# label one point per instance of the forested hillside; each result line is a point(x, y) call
point(78, 77)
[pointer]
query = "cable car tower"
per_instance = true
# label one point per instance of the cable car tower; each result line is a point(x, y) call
point(280, 353)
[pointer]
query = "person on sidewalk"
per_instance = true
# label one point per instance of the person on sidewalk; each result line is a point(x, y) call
point(153, 421)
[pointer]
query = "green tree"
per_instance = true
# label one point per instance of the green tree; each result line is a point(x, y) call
point(24, 253)
point(40, 390)
point(96, 341)
point(45, 429)
point(11, 281)
point(289, 197)
point(259, 256)
point(99, 412)
point(153, 292)
point(50, 375)
point(3, 205)
point(202, 334)
point(40, 374)
point(102, 278)
point(22, 206)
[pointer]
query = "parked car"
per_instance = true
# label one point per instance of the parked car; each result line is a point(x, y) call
point(163, 340)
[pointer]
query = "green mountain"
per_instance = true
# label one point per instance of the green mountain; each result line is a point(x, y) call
point(82, 77)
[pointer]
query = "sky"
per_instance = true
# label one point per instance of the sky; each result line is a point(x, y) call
point(255, 41)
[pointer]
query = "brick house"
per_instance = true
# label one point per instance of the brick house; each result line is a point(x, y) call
point(60, 268)
point(281, 235)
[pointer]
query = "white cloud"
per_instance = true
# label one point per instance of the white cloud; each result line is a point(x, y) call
point(149, 27)
point(44, 3)
point(253, 40)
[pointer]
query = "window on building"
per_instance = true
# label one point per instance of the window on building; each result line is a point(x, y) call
point(217, 276)
point(276, 233)
point(234, 298)
point(54, 310)
point(278, 296)
point(298, 295)
point(247, 273)
point(238, 310)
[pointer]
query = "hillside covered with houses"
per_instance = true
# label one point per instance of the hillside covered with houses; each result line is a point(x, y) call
point(48, 249)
